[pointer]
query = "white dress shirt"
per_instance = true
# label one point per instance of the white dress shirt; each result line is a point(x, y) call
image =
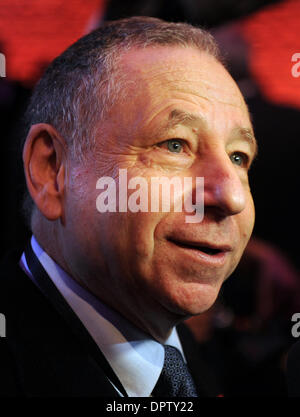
point(135, 357)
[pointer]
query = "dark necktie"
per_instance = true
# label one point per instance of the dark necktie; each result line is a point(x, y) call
point(175, 379)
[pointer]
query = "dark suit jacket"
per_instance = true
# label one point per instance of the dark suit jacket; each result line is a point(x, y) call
point(47, 352)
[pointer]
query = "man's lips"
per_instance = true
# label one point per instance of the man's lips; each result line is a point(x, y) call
point(210, 248)
point(205, 251)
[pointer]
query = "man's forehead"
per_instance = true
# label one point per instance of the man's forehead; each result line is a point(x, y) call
point(186, 70)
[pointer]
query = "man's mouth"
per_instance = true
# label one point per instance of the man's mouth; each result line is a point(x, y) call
point(208, 251)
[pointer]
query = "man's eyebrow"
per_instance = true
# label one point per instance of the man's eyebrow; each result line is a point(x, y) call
point(181, 117)
point(248, 135)
point(177, 117)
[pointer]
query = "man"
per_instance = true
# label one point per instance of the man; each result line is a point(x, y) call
point(95, 307)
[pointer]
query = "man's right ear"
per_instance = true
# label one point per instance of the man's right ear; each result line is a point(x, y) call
point(44, 158)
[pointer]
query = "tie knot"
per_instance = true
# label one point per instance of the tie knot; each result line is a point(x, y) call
point(175, 379)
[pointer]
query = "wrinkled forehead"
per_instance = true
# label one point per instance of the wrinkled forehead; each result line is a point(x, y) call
point(185, 70)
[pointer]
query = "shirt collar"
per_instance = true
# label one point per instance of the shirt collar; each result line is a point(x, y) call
point(135, 357)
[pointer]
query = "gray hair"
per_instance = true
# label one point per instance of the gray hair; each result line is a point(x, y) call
point(81, 85)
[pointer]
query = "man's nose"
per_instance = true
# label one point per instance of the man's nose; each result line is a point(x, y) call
point(224, 190)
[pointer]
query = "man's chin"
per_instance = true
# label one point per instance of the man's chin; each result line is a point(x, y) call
point(194, 300)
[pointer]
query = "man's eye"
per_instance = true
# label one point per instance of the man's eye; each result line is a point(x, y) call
point(239, 158)
point(174, 145)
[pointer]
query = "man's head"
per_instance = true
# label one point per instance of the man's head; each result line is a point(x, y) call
point(154, 99)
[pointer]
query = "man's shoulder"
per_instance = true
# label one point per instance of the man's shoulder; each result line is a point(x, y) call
point(10, 274)
point(9, 261)
point(15, 285)
point(40, 354)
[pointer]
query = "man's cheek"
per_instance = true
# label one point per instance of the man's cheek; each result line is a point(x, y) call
point(140, 231)
point(247, 219)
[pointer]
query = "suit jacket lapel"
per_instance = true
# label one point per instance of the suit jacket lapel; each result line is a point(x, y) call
point(61, 306)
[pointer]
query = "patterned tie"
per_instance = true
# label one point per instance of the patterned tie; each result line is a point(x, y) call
point(175, 379)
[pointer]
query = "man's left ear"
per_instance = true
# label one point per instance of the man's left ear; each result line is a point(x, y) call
point(44, 157)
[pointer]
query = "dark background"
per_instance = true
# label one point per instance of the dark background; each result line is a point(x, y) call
point(245, 336)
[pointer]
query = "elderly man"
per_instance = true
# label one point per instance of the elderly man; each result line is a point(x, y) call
point(93, 302)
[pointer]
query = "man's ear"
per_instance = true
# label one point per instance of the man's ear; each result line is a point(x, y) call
point(44, 157)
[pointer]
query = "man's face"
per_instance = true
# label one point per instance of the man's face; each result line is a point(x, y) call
point(155, 263)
